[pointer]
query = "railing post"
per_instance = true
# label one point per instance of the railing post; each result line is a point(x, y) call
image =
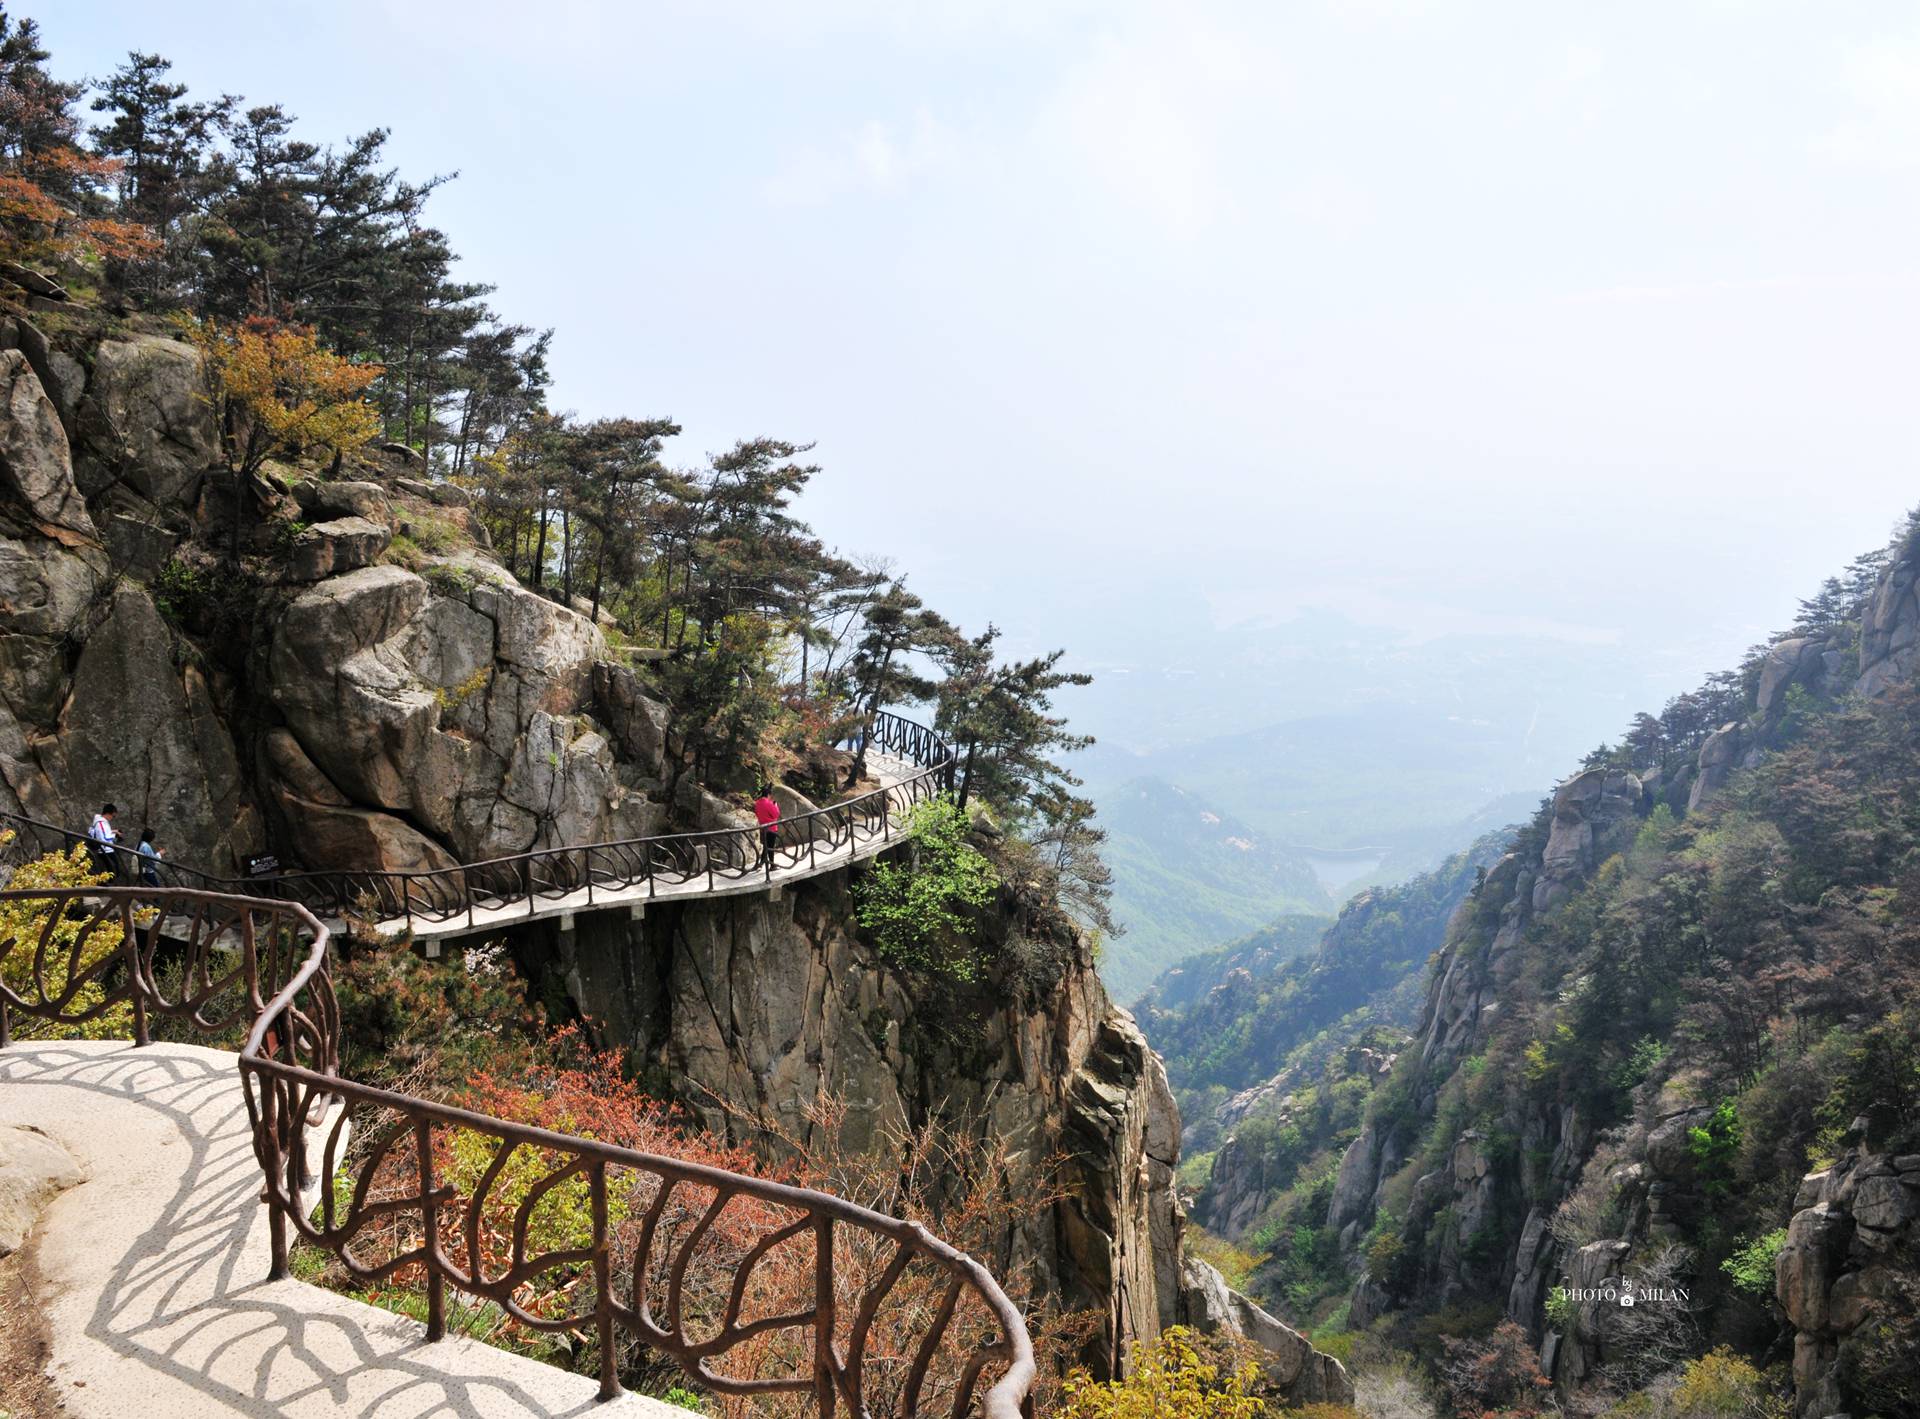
point(587, 857)
point(430, 1224)
point(823, 1314)
point(131, 940)
point(603, 1286)
point(269, 1129)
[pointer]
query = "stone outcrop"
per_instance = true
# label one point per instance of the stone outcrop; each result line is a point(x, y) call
point(1726, 750)
point(462, 703)
point(140, 728)
point(33, 1171)
point(345, 544)
point(36, 468)
point(1890, 626)
point(759, 1009)
point(1850, 1266)
point(1594, 814)
point(146, 420)
point(1295, 1374)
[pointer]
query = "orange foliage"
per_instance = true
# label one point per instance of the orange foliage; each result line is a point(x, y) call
point(287, 391)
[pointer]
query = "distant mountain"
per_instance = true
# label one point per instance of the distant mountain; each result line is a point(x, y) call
point(1191, 980)
point(1230, 1019)
point(1187, 876)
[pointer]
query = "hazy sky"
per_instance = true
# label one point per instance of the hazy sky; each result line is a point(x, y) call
point(1594, 319)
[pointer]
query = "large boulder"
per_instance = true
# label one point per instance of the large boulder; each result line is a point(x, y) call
point(347, 689)
point(36, 467)
point(62, 376)
point(323, 500)
point(343, 545)
point(459, 701)
point(1351, 1203)
point(147, 419)
point(1810, 1262)
point(636, 719)
point(328, 832)
point(1789, 662)
point(33, 1171)
point(1722, 754)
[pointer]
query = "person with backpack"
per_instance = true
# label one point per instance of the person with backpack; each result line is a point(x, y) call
point(767, 813)
point(104, 838)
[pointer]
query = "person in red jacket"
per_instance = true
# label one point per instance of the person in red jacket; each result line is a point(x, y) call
point(767, 813)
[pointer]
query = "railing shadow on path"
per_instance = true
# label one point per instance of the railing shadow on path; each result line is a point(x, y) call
point(175, 1303)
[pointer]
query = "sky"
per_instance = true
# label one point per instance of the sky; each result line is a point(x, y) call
point(1115, 320)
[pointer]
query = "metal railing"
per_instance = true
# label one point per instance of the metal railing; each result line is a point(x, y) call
point(722, 856)
point(414, 1207)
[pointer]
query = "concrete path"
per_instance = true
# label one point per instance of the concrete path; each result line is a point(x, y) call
point(154, 1267)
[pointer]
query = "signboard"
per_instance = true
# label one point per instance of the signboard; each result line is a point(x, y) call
point(263, 865)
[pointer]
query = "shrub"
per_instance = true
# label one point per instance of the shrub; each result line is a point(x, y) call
point(1716, 1146)
point(1751, 1265)
point(1171, 1379)
point(1500, 1372)
point(1724, 1386)
point(917, 910)
point(21, 926)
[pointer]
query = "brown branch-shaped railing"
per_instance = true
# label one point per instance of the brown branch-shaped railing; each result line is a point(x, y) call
point(718, 859)
point(794, 1287)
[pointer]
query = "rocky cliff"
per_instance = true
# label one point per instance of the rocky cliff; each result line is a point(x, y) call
point(326, 662)
point(1484, 1167)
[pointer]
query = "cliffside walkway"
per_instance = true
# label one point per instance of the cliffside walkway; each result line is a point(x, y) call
point(909, 761)
point(170, 1290)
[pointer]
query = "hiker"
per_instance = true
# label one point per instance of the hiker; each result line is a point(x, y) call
point(104, 837)
point(767, 813)
point(149, 859)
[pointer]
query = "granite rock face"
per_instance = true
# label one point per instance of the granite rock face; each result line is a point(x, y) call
point(762, 1009)
point(1850, 1263)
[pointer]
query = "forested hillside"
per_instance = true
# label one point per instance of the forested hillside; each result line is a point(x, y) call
point(1669, 1046)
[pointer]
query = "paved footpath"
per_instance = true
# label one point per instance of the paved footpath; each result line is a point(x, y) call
point(154, 1267)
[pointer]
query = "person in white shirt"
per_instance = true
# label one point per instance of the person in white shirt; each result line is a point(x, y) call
point(104, 836)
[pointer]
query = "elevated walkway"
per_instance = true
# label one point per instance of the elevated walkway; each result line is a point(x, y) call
point(152, 1267)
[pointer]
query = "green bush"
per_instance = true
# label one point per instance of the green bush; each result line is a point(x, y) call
point(1716, 1146)
point(918, 910)
point(1751, 1265)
